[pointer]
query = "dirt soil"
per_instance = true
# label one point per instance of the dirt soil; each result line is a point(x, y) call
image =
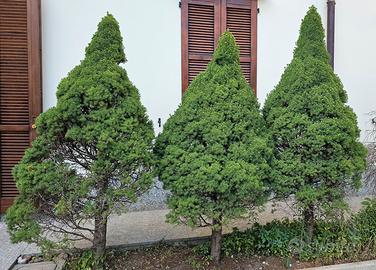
point(181, 258)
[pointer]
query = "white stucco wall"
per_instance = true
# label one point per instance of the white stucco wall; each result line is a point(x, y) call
point(355, 59)
point(151, 32)
point(278, 30)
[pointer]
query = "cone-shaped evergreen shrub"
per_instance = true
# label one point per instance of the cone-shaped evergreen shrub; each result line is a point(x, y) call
point(317, 152)
point(92, 154)
point(213, 152)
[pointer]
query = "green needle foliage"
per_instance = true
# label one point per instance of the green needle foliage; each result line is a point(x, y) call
point(316, 139)
point(93, 153)
point(214, 152)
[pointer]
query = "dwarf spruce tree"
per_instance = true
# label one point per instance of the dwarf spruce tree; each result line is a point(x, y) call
point(213, 152)
point(316, 139)
point(92, 154)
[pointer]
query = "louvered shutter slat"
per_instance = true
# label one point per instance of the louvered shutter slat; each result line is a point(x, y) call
point(200, 37)
point(14, 63)
point(241, 28)
point(13, 145)
point(241, 20)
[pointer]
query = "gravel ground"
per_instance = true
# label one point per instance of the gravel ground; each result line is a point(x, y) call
point(154, 199)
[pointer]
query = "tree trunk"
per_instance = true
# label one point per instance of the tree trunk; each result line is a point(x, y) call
point(100, 224)
point(100, 234)
point(309, 221)
point(216, 238)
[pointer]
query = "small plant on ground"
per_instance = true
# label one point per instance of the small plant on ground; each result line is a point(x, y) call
point(364, 225)
point(87, 260)
point(351, 239)
point(93, 153)
point(318, 155)
point(214, 152)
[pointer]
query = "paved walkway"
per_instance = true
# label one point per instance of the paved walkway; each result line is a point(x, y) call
point(143, 226)
point(368, 265)
point(10, 252)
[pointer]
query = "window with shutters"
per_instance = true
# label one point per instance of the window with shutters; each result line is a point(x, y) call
point(20, 86)
point(203, 21)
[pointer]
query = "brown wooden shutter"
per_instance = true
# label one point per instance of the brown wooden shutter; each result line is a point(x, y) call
point(200, 32)
point(20, 86)
point(203, 21)
point(240, 17)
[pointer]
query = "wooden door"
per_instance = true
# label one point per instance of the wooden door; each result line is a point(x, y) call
point(20, 86)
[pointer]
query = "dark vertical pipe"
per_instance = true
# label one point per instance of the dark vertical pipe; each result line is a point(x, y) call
point(331, 29)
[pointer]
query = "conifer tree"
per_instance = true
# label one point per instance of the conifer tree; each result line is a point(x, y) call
point(318, 155)
point(213, 153)
point(93, 152)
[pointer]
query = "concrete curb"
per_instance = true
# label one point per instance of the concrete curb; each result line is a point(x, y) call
point(48, 265)
point(366, 265)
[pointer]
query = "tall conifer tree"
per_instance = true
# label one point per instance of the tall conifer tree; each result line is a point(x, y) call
point(214, 152)
point(93, 152)
point(315, 134)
